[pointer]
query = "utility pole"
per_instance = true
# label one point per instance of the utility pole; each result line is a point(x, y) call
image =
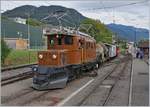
point(28, 32)
point(4, 34)
point(113, 15)
point(28, 35)
point(60, 27)
point(113, 23)
point(135, 37)
point(135, 34)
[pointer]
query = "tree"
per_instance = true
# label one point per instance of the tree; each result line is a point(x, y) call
point(98, 30)
point(5, 50)
point(33, 22)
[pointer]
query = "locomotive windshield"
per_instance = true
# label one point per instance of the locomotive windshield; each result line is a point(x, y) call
point(60, 40)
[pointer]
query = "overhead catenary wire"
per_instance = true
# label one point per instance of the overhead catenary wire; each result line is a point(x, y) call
point(105, 9)
point(117, 6)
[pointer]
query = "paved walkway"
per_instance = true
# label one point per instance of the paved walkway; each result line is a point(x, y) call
point(140, 83)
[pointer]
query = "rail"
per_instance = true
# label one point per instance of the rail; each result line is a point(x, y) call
point(12, 79)
point(17, 67)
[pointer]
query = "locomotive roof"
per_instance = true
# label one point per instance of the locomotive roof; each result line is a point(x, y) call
point(65, 32)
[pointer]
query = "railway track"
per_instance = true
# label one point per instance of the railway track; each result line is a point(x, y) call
point(107, 97)
point(17, 67)
point(115, 83)
point(13, 74)
point(19, 77)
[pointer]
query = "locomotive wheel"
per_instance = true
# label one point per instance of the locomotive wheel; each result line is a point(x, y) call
point(72, 75)
point(93, 74)
point(78, 73)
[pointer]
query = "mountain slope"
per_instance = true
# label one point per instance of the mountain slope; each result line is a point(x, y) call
point(129, 32)
point(46, 14)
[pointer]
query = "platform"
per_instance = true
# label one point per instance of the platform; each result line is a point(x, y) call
point(140, 83)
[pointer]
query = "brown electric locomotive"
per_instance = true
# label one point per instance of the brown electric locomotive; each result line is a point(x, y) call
point(69, 54)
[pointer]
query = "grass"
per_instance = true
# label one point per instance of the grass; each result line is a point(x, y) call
point(21, 57)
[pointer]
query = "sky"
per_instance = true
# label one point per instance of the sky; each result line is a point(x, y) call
point(136, 14)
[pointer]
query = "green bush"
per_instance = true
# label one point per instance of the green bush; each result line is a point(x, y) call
point(5, 50)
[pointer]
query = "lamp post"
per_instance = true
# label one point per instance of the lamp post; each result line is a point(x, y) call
point(28, 30)
point(135, 37)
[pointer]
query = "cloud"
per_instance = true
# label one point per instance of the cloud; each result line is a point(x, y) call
point(120, 18)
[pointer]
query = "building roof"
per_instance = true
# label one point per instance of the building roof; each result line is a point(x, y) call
point(144, 44)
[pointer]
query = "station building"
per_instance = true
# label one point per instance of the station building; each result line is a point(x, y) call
point(144, 45)
point(16, 35)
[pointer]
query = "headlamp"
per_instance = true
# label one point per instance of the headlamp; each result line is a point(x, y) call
point(40, 56)
point(34, 68)
point(54, 56)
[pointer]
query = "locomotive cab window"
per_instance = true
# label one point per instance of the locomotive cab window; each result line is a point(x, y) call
point(86, 45)
point(81, 43)
point(68, 40)
point(51, 41)
point(59, 41)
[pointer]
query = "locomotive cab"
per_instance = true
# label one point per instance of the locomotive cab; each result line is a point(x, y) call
point(57, 45)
